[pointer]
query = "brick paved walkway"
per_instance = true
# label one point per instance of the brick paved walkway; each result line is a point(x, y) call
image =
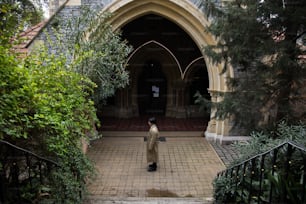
point(187, 168)
point(226, 152)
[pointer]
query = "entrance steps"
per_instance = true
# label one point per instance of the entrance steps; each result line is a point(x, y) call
point(145, 133)
point(146, 200)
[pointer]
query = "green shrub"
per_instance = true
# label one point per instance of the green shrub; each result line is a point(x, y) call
point(15, 97)
point(287, 185)
point(64, 114)
point(46, 108)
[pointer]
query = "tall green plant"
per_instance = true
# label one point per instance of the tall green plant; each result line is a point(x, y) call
point(15, 97)
point(286, 178)
point(263, 42)
point(46, 99)
point(45, 107)
point(64, 114)
point(18, 15)
point(97, 51)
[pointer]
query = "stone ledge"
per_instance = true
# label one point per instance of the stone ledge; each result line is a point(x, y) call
point(145, 133)
point(225, 139)
point(146, 200)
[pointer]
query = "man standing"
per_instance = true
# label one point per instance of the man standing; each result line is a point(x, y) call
point(152, 145)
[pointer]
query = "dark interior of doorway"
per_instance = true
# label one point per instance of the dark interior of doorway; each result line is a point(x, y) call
point(152, 89)
point(164, 124)
point(159, 29)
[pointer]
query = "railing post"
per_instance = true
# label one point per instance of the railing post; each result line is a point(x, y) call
point(243, 178)
point(257, 168)
point(29, 169)
point(262, 170)
point(287, 169)
point(251, 180)
point(304, 178)
point(273, 170)
point(237, 179)
point(2, 180)
point(40, 172)
point(15, 180)
point(18, 168)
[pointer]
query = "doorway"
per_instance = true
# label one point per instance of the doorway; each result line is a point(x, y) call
point(152, 89)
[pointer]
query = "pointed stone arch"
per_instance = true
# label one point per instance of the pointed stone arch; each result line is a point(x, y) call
point(187, 16)
point(187, 70)
point(164, 48)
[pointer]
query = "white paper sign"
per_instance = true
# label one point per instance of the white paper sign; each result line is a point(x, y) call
point(155, 91)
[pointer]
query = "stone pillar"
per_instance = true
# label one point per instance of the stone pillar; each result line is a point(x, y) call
point(211, 131)
point(124, 104)
point(217, 128)
point(180, 100)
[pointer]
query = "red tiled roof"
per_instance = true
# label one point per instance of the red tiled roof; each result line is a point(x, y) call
point(27, 37)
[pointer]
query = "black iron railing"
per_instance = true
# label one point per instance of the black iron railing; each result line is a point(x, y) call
point(24, 176)
point(275, 176)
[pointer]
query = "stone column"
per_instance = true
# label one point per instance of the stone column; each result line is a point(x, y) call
point(218, 128)
point(211, 132)
point(180, 101)
point(125, 103)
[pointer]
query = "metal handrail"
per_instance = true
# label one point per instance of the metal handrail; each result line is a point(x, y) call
point(19, 170)
point(256, 176)
point(29, 152)
point(292, 143)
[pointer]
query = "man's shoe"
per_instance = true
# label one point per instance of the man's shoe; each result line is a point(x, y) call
point(150, 169)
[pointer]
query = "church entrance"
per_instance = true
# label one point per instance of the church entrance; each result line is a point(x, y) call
point(166, 68)
point(152, 89)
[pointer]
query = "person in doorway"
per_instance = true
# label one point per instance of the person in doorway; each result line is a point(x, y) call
point(152, 145)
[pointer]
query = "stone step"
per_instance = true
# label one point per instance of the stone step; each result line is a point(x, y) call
point(146, 200)
point(145, 133)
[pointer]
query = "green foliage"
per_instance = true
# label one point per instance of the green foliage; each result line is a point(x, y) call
point(265, 140)
point(46, 99)
point(61, 98)
point(17, 15)
point(98, 51)
point(287, 185)
point(63, 115)
point(261, 41)
point(46, 106)
point(69, 182)
point(203, 101)
point(15, 97)
point(223, 190)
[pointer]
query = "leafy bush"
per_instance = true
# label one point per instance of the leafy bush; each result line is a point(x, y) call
point(223, 190)
point(46, 101)
point(15, 97)
point(265, 140)
point(253, 180)
point(46, 107)
point(98, 50)
point(63, 115)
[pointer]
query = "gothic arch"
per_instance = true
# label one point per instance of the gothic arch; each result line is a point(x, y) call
point(163, 47)
point(192, 21)
point(187, 70)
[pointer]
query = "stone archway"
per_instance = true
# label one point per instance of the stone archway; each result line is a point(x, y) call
point(188, 17)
